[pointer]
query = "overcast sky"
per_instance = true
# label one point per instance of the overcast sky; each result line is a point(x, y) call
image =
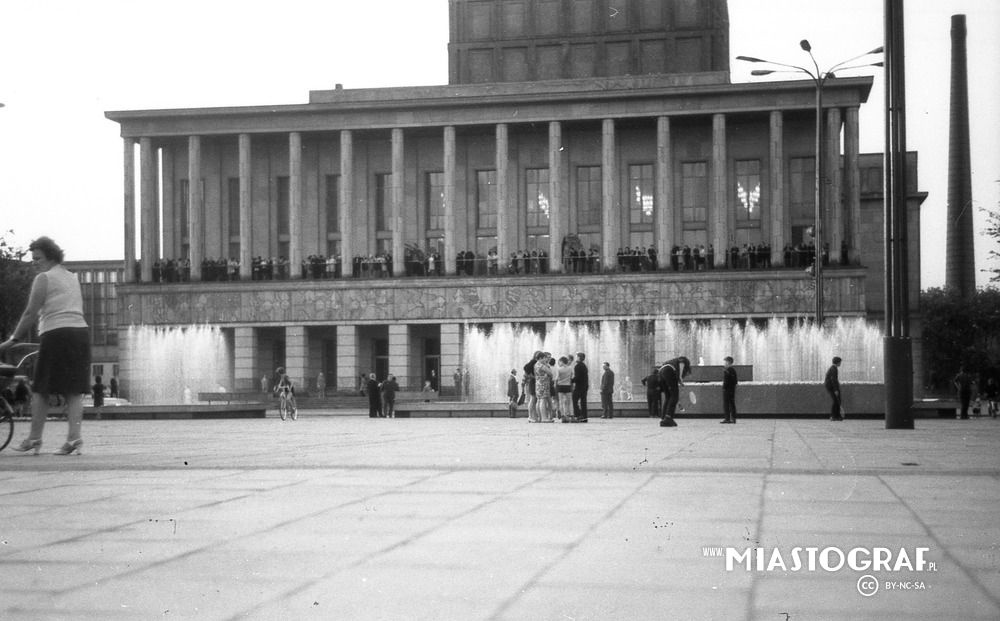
point(67, 62)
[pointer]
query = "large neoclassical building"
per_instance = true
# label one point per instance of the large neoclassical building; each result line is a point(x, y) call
point(589, 159)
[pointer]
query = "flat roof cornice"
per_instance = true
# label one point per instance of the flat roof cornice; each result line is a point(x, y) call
point(483, 104)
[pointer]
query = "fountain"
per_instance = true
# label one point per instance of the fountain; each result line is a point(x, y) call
point(789, 352)
point(164, 369)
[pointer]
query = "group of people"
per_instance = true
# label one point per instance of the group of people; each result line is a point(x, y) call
point(381, 396)
point(554, 389)
point(988, 392)
point(636, 259)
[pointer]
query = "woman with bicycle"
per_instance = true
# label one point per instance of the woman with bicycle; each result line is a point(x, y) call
point(63, 366)
point(285, 390)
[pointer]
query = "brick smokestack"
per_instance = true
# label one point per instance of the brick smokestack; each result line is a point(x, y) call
point(960, 265)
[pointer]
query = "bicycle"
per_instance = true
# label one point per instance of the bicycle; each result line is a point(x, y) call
point(7, 373)
point(286, 404)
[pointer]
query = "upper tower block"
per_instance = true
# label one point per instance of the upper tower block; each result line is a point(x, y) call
point(530, 40)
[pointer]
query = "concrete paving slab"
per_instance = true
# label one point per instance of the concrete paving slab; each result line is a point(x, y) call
point(345, 517)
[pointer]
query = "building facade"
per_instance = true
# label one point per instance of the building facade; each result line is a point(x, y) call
point(365, 229)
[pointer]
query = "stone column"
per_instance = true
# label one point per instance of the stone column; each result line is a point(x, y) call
point(451, 352)
point(506, 216)
point(832, 198)
point(246, 374)
point(779, 219)
point(129, 215)
point(297, 354)
point(147, 206)
point(719, 207)
point(347, 358)
point(852, 188)
point(396, 219)
point(246, 211)
point(610, 211)
point(295, 204)
point(346, 211)
point(400, 356)
point(558, 214)
point(450, 264)
point(666, 211)
point(196, 208)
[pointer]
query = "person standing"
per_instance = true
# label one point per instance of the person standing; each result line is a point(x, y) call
point(97, 391)
point(544, 379)
point(564, 388)
point(374, 399)
point(457, 378)
point(963, 384)
point(63, 364)
point(113, 387)
point(321, 385)
point(672, 375)
point(389, 389)
point(607, 391)
point(832, 383)
point(529, 387)
point(729, 381)
point(581, 384)
point(653, 392)
point(513, 393)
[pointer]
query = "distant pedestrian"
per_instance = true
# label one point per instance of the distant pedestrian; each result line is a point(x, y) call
point(265, 386)
point(607, 391)
point(97, 391)
point(374, 398)
point(457, 378)
point(389, 388)
point(513, 393)
point(729, 381)
point(832, 383)
point(321, 385)
point(963, 384)
point(581, 384)
point(653, 393)
point(672, 375)
point(564, 388)
point(113, 387)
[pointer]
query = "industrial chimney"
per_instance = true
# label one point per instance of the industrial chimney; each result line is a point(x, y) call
point(960, 265)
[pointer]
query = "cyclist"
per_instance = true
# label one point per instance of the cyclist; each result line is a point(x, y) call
point(285, 389)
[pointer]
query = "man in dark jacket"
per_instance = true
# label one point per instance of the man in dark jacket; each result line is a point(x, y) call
point(374, 398)
point(729, 381)
point(832, 383)
point(607, 391)
point(581, 383)
point(653, 392)
point(672, 375)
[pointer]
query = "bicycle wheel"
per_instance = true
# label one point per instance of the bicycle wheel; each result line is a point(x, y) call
point(282, 407)
point(6, 430)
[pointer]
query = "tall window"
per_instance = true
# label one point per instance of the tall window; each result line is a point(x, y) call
point(537, 182)
point(435, 201)
point(233, 206)
point(588, 196)
point(694, 194)
point(383, 185)
point(284, 198)
point(747, 193)
point(641, 187)
point(802, 188)
point(332, 204)
point(182, 206)
point(486, 199)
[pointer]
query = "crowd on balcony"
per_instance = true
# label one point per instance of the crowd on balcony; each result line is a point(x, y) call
point(418, 262)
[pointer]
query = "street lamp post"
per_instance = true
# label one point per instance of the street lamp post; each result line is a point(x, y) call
point(819, 78)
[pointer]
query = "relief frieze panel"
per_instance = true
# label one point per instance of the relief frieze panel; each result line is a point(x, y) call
point(526, 299)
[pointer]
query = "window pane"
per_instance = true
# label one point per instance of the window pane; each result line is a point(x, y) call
point(641, 187)
point(486, 198)
point(747, 191)
point(332, 203)
point(435, 200)
point(538, 197)
point(694, 192)
point(588, 195)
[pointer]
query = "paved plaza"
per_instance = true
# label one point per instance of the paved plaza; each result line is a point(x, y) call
point(345, 517)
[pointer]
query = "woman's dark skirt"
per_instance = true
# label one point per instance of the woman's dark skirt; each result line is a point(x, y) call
point(63, 366)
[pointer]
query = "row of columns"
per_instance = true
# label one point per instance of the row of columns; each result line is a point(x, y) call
point(668, 222)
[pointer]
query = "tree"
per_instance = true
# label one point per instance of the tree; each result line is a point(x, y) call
point(15, 284)
point(993, 230)
point(959, 332)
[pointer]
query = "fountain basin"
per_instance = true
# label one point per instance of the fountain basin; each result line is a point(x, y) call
point(175, 412)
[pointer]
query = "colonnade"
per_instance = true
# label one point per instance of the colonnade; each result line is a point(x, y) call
point(842, 217)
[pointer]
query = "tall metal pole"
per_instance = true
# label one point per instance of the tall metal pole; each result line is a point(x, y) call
point(818, 226)
point(898, 358)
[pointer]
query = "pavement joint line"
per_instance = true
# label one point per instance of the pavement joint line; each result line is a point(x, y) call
point(942, 548)
point(391, 547)
point(506, 604)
